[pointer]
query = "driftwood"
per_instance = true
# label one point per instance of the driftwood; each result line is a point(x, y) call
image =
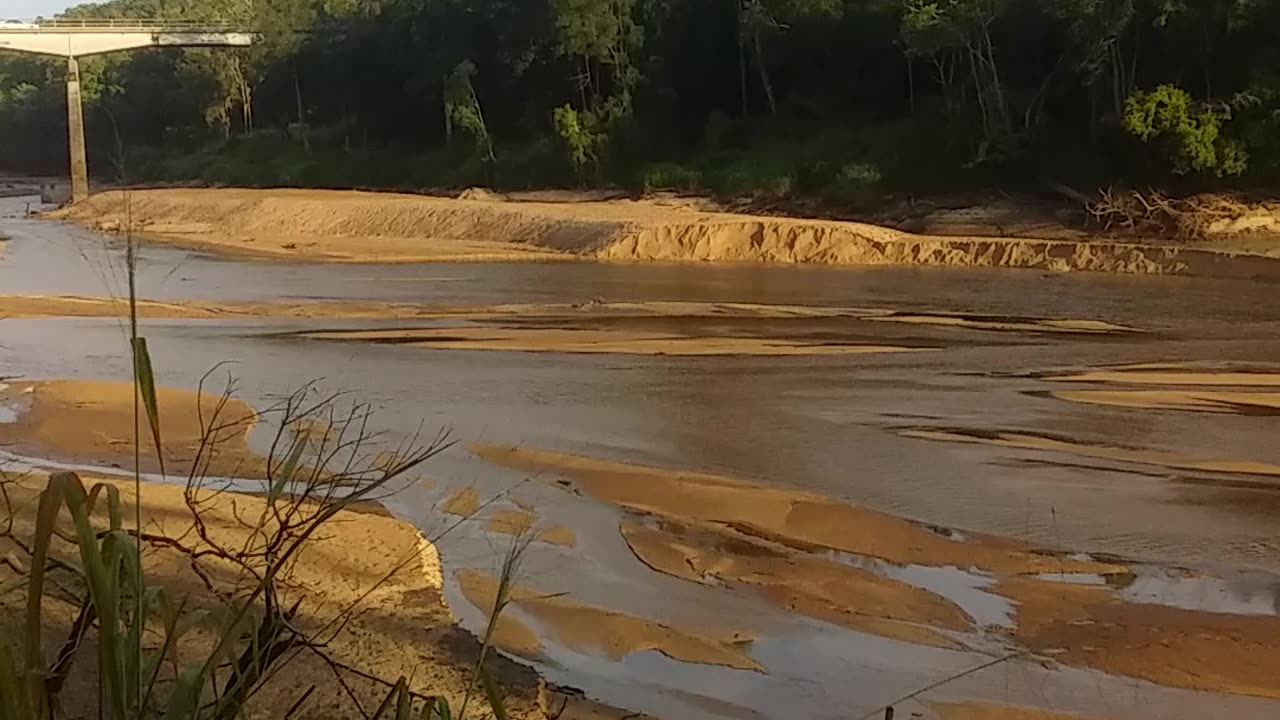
point(1156, 214)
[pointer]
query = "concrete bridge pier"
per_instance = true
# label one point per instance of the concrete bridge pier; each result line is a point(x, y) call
point(75, 131)
point(78, 38)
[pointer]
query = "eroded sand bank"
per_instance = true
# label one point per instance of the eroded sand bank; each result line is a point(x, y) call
point(347, 226)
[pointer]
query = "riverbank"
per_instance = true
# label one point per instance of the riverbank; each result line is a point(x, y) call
point(349, 226)
point(401, 624)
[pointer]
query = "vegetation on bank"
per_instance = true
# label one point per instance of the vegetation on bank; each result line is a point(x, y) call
point(838, 99)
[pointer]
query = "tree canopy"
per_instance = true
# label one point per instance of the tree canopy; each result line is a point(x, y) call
point(836, 97)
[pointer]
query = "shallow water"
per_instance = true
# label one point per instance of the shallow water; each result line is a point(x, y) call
point(832, 424)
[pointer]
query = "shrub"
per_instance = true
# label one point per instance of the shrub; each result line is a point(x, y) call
point(670, 176)
point(1189, 133)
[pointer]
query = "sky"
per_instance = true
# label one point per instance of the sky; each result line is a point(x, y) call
point(27, 9)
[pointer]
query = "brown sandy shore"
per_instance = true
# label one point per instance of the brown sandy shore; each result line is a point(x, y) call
point(348, 226)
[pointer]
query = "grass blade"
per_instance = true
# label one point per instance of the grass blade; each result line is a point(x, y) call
point(147, 389)
point(394, 696)
point(493, 693)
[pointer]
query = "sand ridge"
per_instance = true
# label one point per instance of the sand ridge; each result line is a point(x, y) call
point(600, 341)
point(350, 226)
point(615, 635)
point(1210, 401)
point(47, 306)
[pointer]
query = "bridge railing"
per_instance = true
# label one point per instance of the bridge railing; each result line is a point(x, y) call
point(136, 24)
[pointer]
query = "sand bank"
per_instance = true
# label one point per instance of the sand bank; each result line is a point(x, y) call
point(987, 711)
point(403, 627)
point(603, 632)
point(746, 537)
point(92, 422)
point(1027, 441)
point(1087, 626)
point(1167, 375)
point(799, 582)
point(598, 341)
point(794, 518)
point(346, 226)
point(44, 306)
point(522, 522)
point(1211, 401)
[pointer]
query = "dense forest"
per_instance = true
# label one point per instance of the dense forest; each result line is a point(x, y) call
point(834, 99)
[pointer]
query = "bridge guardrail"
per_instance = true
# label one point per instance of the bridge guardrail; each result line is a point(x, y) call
point(127, 24)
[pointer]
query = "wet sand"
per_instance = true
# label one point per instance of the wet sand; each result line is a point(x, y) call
point(796, 519)
point(520, 523)
point(987, 711)
point(598, 341)
point(346, 226)
point(1173, 375)
point(1026, 441)
point(598, 631)
point(1073, 610)
point(48, 306)
point(92, 422)
point(1211, 401)
point(801, 583)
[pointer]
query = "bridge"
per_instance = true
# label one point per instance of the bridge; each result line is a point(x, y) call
point(77, 38)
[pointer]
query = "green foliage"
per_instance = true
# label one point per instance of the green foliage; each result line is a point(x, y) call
point(1191, 134)
point(670, 176)
point(579, 141)
point(462, 107)
point(382, 95)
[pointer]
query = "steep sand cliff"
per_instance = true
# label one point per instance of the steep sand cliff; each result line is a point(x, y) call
point(348, 226)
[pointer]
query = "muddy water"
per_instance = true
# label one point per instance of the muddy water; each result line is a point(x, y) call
point(871, 429)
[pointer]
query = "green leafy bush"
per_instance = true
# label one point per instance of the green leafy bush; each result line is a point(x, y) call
point(1189, 133)
point(670, 176)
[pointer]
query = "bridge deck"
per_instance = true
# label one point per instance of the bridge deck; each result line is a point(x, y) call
point(117, 25)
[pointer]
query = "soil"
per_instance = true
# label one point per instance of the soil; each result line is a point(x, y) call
point(349, 226)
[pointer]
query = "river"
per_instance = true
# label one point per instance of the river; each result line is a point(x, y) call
point(850, 426)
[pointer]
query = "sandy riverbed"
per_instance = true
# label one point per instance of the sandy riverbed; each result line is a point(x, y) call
point(779, 543)
point(348, 226)
point(404, 627)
